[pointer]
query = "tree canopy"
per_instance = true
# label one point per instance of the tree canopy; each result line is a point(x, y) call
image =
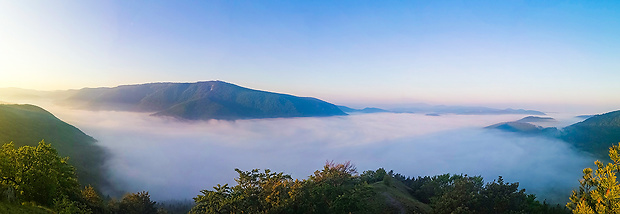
point(335, 189)
point(36, 174)
point(599, 191)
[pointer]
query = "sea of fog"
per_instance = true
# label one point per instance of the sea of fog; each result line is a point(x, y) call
point(175, 159)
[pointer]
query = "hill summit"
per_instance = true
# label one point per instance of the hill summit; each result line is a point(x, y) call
point(201, 100)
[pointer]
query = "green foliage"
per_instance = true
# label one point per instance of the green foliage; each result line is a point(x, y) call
point(463, 194)
point(335, 189)
point(25, 125)
point(256, 192)
point(92, 200)
point(338, 189)
point(36, 174)
point(371, 176)
point(39, 177)
point(12, 208)
point(137, 203)
point(599, 191)
point(66, 206)
point(393, 198)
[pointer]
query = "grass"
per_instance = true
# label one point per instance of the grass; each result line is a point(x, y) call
point(6, 207)
point(394, 197)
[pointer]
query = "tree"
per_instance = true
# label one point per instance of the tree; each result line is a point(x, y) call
point(255, 192)
point(137, 203)
point(462, 196)
point(335, 189)
point(599, 191)
point(92, 200)
point(37, 174)
point(64, 205)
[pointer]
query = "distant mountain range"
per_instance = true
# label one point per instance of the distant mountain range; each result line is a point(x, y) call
point(442, 109)
point(200, 100)
point(220, 100)
point(594, 135)
point(533, 119)
point(463, 110)
point(29, 124)
point(364, 110)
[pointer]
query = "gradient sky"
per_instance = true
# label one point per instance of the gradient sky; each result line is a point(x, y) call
point(519, 53)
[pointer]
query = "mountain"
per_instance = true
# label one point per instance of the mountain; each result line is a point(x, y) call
point(584, 116)
point(463, 110)
point(367, 110)
point(29, 124)
point(595, 134)
point(524, 128)
point(534, 119)
point(516, 126)
point(201, 100)
point(442, 109)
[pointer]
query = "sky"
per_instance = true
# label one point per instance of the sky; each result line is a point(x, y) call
point(497, 53)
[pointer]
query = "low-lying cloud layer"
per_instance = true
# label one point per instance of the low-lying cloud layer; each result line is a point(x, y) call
point(176, 159)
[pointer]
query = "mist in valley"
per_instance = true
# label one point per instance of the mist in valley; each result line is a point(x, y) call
point(174, 159)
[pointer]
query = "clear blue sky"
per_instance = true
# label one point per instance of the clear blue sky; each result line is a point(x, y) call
point(440, 52)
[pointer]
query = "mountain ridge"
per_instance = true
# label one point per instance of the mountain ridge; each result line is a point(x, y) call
point(201, 100)
point(594, 135)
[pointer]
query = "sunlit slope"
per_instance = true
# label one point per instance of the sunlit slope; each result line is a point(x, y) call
point(596, 134)
point(10, 208)
point(29, 124)
point(201, 100)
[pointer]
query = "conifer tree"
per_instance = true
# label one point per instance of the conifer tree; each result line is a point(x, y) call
point(599, 191)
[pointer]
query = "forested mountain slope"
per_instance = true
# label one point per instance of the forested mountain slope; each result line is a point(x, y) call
point(201, 100)
point(595, 134)
point(29, 124)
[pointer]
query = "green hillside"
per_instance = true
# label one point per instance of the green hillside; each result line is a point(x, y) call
point(394, 197)
point(11, 208)
point(201, 100)
point(29, 124)
point(596, 134)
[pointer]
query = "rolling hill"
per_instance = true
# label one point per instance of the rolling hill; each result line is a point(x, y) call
point(29, 124)
point(525, 128)
point(595, 134)
point(533, 119)
point(200, 100)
